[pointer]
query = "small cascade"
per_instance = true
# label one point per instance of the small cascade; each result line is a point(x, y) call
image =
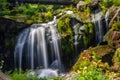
point(106, 20)
point(96, 17)
point(100, 30)
point(38, 46)
point(76, 37)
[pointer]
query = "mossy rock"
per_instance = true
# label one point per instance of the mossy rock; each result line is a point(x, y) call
point(90, 55)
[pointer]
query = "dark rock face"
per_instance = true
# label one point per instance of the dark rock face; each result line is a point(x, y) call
point(9, 30)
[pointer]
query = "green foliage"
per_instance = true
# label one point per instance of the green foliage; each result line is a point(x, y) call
point(88, 34)
point(29, 13)
point(92, 68)
point(105, 4)
point(116, 2)
point(88, 1)
point(23, 76)
point(4, 8)
point(89, 73)
point(49, 16)
point(3, 3)
point(66, 32)
point(95, 56)
point(42, 8)
point(115, 26)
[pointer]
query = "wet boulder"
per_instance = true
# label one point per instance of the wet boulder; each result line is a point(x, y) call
point(47, 73)
point(43, 73)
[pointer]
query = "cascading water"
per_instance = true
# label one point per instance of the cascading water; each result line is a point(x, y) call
point(38, 46)
point(97, 19)
point(19, 48)
point(37, 38)
point(100, 30)
point(77, 37)
point(106, 20)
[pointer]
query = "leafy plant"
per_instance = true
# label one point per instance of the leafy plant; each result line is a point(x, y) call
point(49, 16)
point(4, 10)
point(89, 73)
point(92, 69)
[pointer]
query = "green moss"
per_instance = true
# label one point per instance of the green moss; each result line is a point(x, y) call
point(84, 15)
point(66, 33)
point(93, 57)
point(88, 34)
point(49, 16)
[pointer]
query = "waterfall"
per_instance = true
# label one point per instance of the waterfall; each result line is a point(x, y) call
point(38, 46)
point(100, 30)
point(39, 35)
point(19, 48)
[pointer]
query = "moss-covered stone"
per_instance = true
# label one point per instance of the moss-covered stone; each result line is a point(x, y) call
point(66, 33)
point(93, 56)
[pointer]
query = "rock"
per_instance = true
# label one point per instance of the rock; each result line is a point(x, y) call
point(4, 76)
point(9, 30)
point(113, 38)
point(69, 75)
point(80, 5)
point(100, 51)
point(43, 73)
point(47, 73)
point(31, 74)
point(55, 65)
point(94, 4)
